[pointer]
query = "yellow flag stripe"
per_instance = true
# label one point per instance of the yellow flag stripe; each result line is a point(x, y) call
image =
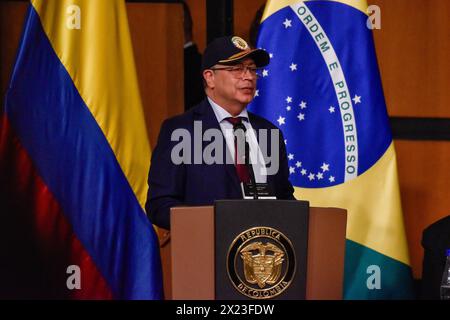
point(99, 58)
point(372, 200)
point(274, 6)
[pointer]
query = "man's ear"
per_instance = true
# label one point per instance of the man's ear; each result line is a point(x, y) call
point(208, 75)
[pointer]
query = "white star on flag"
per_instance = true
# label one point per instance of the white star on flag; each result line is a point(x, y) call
point(331, 109)
point(303, 105)
point(293, 66)
point(257, 93)
point(331, 178)
point(311, 176)
point(319, 176)
point(287, 23)
point(265, 73)
point(357, 99)
point(291, 156)
point(288, 108)
point(298, 164)
point(301, 116)
point(289, 99)
point(271, 55)
point(325, 167)
point(303, 172)
point(285, 141)
point(291, 170)
point(281, 120)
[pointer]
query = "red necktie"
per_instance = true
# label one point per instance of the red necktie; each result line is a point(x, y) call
point(241, 168)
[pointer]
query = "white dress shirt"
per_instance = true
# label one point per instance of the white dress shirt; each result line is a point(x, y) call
point(256, 157)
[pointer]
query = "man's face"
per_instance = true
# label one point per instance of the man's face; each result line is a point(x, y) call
point(233, 86)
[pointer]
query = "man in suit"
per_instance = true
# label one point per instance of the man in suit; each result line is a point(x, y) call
point(229, 69)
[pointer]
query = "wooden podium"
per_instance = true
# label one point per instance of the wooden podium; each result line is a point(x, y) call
point(193, 257)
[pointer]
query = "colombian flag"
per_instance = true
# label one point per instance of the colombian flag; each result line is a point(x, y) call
point(323, 89)
point(74, 159)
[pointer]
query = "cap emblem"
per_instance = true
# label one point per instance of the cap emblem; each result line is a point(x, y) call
point(239, 43)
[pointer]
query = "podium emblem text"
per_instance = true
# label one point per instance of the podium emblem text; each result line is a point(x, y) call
point(261, 263)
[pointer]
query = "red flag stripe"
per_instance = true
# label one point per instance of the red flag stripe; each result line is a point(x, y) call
point(57, 244)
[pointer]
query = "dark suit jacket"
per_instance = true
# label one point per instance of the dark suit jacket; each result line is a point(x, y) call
point(435, 241)
point(173, 185)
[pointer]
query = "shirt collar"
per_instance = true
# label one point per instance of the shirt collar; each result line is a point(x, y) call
point(221, 113)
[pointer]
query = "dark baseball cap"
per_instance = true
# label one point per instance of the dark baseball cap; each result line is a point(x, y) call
point(231, 50)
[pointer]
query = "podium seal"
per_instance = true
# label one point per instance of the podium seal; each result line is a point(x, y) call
point(261, 263)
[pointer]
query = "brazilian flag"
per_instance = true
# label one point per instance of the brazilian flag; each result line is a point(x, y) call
point(323, 89)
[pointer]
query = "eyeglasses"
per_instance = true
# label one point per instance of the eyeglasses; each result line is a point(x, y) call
point(239, 70)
